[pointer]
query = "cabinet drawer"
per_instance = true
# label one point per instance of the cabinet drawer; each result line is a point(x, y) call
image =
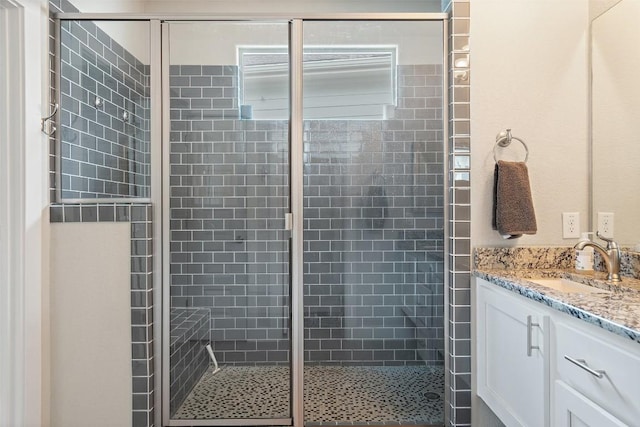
point(600, 368)
point(574, 410)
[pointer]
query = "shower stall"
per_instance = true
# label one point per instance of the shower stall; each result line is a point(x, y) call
point(296, 169)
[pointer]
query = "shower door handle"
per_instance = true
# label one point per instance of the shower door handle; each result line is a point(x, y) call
point(288, 221)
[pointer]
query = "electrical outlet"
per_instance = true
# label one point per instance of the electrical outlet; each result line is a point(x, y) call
point(570, 225)
point(605, 224)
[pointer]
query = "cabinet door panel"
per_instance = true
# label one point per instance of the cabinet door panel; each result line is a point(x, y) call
point(511, 381)
point(574, 410)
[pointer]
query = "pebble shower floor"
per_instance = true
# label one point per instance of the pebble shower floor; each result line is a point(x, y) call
point(348, 395)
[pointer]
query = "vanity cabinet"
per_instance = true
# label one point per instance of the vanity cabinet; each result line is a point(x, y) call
point(536, 366)
point(512, 356)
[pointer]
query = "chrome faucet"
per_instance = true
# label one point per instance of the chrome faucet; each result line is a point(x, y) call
point(610, 255)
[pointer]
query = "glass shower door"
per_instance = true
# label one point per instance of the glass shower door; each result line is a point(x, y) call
point(373, 223)
point(370, 144)
point(228, 192)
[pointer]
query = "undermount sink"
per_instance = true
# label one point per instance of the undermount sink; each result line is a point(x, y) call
point(569, 286)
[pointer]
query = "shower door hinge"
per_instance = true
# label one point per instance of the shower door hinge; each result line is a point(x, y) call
point(288, 221)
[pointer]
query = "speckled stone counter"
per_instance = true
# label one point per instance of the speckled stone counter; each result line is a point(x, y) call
point(617, 311)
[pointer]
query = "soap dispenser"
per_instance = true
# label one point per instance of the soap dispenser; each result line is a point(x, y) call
point(584, 258)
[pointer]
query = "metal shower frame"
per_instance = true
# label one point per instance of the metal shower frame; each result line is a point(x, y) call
point(159, 131)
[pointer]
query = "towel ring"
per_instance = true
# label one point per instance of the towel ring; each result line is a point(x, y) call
point(504, 139)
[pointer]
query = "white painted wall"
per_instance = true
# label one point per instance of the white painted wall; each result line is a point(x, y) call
point(529, 73)
point(90, 325)
point(23, 221)
point(616, 128)
point(597, 7)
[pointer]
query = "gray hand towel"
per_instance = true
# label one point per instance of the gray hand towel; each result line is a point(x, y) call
point(513, 213)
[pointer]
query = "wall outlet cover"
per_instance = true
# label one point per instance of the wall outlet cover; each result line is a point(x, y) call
point(605, 224)
point(570, 225)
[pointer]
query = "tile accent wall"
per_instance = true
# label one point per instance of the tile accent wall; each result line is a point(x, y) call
point(103, 154)
point(458, 380)
point(373, 221)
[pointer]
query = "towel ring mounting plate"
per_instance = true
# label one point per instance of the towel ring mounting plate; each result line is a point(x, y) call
point(504, 139)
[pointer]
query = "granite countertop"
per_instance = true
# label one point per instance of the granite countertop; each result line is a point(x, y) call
point(617, 311)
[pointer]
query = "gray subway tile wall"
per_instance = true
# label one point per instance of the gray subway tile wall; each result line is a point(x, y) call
point(103, 153)
point(373, 224)
point(374, 231)
point(229, 192)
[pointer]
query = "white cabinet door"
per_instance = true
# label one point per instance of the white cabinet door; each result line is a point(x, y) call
point(512, 364)
point(572, 409)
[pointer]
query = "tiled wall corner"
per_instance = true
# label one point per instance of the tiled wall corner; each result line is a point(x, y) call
point(459, 274)
point(143, 360)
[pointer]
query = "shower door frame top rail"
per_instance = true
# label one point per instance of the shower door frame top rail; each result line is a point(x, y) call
point(159, 91)
point(255, 17)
